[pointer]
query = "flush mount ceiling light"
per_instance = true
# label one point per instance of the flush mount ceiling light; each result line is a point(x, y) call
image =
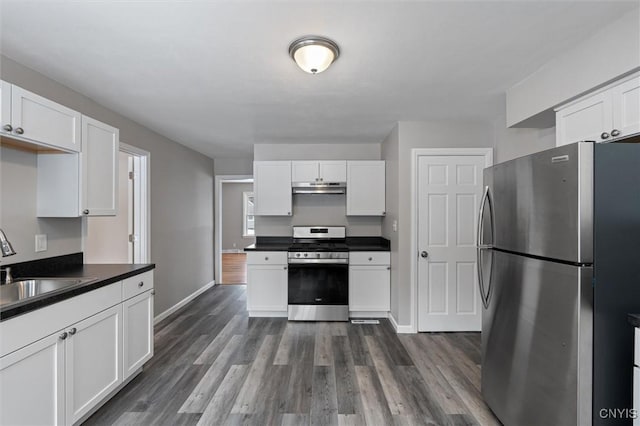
point(314, 54)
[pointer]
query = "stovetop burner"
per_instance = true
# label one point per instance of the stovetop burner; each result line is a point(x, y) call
point(319, 246)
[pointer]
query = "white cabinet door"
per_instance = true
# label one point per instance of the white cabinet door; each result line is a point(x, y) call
point(5, 107)
point(333, 171)
point(137, 332)
point(585, 120)
point(369, 288)
point(304, 171)
point(365, 188)
point(93, 361)
point(626, 107)
point(32, 384)
point(100, 144)
point(267, 288)
point(41, 120)
point(272, 188)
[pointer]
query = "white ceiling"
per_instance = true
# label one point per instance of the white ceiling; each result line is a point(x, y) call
point(216, 76)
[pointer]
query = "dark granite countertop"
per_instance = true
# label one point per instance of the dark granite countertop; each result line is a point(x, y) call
point(634, 319)
point(354, 243)
point(270, 244)
point(368, 244)
point(104, 274)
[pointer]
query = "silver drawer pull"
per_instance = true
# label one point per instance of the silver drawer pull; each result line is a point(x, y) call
point(141, 283)
point(370, 259)
point(266, 258)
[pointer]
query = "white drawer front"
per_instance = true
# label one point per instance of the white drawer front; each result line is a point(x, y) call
point(636, 358)
point(266, 258)
point(137, 284)
point(369, 258)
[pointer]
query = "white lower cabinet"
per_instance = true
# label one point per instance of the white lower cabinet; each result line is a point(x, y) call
point(58, 378)
point(32, 384)
point(369, 282)
point(636, 395)
point(137, 332)
point(93, 361)
point(267, 283)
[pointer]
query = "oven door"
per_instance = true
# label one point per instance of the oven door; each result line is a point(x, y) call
point(318, 284)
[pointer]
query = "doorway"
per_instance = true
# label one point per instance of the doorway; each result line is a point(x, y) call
point(234, 227)
point(449, 186)
point(123, 238)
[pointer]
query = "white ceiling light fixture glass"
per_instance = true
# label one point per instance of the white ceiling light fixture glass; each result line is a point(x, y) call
point(314, 54)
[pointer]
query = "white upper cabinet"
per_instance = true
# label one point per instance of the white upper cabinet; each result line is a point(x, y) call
point(40, 120)
point(611, 113)
point(366, 188)
point(272, 188)
point(5, 108)
point(85, 184)
point(626, 107)
point(100, 145)
point(319, 171)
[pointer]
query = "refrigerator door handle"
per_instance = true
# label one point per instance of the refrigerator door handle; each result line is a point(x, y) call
point(485, 301)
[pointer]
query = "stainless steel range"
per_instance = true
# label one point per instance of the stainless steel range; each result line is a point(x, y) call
point(318, 274)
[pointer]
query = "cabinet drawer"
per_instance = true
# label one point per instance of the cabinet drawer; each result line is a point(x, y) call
point(636, 358)
point(267, 258)
point(137, 284)
point(369, 258)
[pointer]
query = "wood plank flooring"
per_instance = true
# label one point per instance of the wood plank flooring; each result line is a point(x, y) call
point(214, 365)
point(234, 268)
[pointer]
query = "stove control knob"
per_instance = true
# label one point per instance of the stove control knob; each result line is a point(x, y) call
point(305, 255)
point(317, 254)
point(297, 254)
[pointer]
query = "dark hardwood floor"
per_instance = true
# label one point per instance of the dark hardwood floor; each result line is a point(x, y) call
point(214, 365)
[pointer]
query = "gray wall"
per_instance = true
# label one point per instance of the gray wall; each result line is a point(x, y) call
point(441, 134)
point(181, 195)
point(514, 142)
point(18, 177)
point(318, 209)
point(232, 210)
point(612, 51)
point(233, 166)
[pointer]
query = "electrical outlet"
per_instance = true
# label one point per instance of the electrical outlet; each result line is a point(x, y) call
point(394, 226)
point(41, 242)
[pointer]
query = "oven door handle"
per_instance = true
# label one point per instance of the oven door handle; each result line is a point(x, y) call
point(319, 261)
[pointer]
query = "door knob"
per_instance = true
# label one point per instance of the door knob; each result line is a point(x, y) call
point(424, 254)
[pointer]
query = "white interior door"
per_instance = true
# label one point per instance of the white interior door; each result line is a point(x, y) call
point(449, 193)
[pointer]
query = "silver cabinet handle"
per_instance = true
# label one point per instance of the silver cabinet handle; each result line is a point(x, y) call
point(285, 268)
point(85, 211)
point(424, 254)
point(141, 283)
point(370, 259)
point(19, 130)
point(72, 331)
point(384, 213)
point(289, 213)
point(604, 135)
point(7, 128)
point(266, 258)
point(153, 292)
point(62, 335)
point(388, 268)
point(615, 133)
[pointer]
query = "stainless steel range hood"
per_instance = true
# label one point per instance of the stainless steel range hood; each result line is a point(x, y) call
point(318, 187)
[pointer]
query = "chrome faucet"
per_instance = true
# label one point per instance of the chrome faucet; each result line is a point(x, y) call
point(5, 245)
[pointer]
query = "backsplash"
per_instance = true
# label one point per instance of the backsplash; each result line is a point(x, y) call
point(319, 209)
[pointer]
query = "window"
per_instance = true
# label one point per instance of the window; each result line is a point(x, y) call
point(248, 222)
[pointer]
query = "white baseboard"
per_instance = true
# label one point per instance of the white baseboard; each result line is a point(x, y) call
point(183, 302)
point(368, 314)
point(269, 314)
point(401, 329)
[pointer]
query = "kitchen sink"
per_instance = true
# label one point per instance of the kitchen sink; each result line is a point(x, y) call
point(27, 288)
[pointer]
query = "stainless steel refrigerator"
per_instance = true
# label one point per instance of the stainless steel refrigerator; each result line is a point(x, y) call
point(559, 269)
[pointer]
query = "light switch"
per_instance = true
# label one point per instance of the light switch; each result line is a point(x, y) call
point(394, 226)
point(41, 242)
